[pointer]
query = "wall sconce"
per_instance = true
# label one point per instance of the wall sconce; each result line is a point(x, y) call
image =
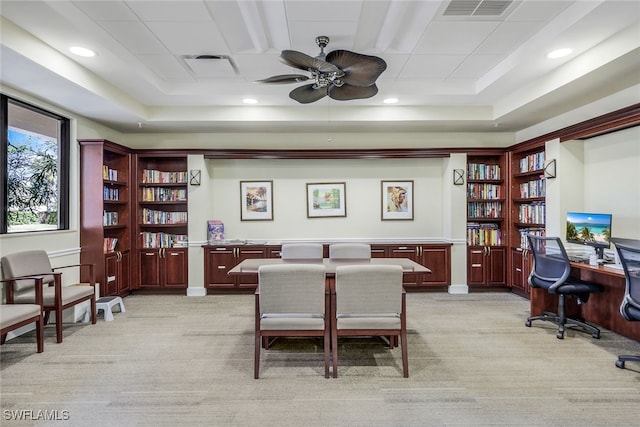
point(550, 169)
point(458, 177)
point(194, 176)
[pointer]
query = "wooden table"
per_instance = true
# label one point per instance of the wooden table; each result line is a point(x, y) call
point(250, 266)
point(602, 309)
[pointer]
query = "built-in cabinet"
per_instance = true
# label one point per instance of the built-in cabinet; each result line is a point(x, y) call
point(220, 259)
point(486, 220)
point(527, 209)
point(106, 214)
point(161, 220)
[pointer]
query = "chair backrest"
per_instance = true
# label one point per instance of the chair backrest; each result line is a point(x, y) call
point(292, 289)
point(26, 263)
point(302, 251)
point(551, 265)
point(629, 255)
point(368, 290)
point(350, 251)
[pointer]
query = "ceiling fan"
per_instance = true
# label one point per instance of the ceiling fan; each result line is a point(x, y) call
point(341, 74)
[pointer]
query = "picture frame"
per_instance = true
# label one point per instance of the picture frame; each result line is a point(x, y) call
point(326, 199)
point(397, 200)
point(256, 200)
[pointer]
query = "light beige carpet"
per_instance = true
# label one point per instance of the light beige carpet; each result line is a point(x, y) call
point(188, 361)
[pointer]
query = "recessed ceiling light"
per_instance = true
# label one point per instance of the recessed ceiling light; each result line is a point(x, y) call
point(250, 101)
point(82, 51)
point(390, 100)
point(559, 53)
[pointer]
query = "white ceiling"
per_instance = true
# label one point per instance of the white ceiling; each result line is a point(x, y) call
point(485, 71)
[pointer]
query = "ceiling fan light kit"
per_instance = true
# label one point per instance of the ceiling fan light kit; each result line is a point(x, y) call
point(341, 74)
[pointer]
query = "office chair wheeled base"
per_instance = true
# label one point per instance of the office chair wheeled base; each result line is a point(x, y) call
point(561, 321)
point(622, 359)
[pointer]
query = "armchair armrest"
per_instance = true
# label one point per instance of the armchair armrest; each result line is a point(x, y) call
point(38, 288)
point(92, 276)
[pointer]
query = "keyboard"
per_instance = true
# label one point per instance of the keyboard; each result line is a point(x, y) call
point(577, 258)
point(614, 266)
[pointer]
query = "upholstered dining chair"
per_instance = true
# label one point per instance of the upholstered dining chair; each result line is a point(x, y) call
point(630, 307)
point(350, 251)
point(291, 301)
point(302, 251)
point(551, 271)
point(369, 300)
point(56, 298)
point(14, 316)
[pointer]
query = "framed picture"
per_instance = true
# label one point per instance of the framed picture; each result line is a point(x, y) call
point(256, 200)
point(326, 199)
point(397, 200)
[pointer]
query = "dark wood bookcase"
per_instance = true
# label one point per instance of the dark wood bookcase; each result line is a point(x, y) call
point(106, 213)
point(161, 220)
point(486, 220)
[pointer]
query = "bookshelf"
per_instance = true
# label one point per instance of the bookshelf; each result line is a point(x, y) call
point(162, 220)
point(486, 213)
point(527, 209)
point(105, 213)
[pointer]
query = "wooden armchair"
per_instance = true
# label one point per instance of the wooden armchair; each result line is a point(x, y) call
point(55, 297)
point(14, 316)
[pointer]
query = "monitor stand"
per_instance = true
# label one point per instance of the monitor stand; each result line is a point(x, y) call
point(599, 252)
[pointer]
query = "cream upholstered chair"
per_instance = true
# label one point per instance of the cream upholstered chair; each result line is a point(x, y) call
point(56, 298)
point(350, 251)
point(14, 316)
point(369, 300)
point(291, 301)
point(301, 251)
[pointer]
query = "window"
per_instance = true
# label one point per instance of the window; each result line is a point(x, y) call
point(34, 154)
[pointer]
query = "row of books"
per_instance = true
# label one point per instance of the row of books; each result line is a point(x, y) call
point(109, 218)
point(109, 174)
point(488, 234)
point(109, 244)
point(163, 240)
point(110, 193)
point(532, 162)
point(163, 194)
point(152, 176)
point(524, 244)
point(152, 216)
point(484, 210)
point(483, 171)
point(535, 188)
point(533, 213)
point(483, 191)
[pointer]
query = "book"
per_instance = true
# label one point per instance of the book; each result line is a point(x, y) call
point(215, 230)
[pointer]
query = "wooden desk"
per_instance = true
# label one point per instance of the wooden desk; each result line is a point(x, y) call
point(250, 266)
point(603, 309)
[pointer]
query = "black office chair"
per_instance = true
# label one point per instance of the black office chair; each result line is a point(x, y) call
point(629, 253)
point(551, 268)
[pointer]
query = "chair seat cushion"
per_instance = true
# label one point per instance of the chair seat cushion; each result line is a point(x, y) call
point(69, 294)
point(10, 314)
point(287, 322)
point(391, 321)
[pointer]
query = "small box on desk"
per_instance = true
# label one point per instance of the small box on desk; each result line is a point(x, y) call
point(215, 231)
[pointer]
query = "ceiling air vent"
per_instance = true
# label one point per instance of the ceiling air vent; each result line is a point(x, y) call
point(477, 7)
point(211, 66)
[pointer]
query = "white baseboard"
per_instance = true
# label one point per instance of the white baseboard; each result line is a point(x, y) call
point(458, 289)
point(196, 292)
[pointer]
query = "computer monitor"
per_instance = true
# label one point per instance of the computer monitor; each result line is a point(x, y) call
point(593, 229)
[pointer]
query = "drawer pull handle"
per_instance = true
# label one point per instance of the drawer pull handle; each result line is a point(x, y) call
point(222, 267)
point(476, 265)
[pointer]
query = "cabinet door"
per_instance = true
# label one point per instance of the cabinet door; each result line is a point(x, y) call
point(437, 260)
point(218, 262)
point(149, 268)
point(124, 266)
point(496, 267)
point(378, 251)
point(242, 253)
point(406, 251)
point(476, 265)
point(517, 274)
point(175, 267)
point(109, 284)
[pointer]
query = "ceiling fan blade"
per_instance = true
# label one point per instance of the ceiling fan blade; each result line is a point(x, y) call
point(347, 92)
point(359, 70)
point(284, 78)
point(307, 94)
point(305, 62)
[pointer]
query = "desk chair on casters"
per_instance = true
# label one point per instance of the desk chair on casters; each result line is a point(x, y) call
point(630, 307)
point(551, 269)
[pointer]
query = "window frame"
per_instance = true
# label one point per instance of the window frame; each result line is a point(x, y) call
point(64, 161)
